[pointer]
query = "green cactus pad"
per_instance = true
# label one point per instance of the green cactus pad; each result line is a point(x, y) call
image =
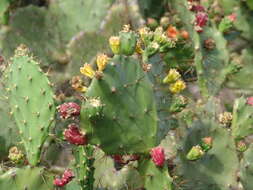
point(26, 178)
point(217, 168)
point(107, 177)
point(31, 101)
point(84, 169)
point(155, 177)
point(8, 130)
point(4, 5)
point(80, 15)
point(242, 118)
point(246, 170)
point(29, 26)
point(163, 97)
point(128, 122)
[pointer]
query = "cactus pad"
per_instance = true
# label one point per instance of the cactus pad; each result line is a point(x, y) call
point(122, 127)
point(31, 101)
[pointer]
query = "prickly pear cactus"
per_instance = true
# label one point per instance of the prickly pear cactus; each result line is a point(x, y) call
point(216, 168)
point(242, 121)
point(212, 63)
point(121, 127)
point(17, 178)
point(246, 169)
point(31, 100)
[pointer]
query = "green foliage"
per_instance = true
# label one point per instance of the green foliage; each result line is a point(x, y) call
point(31, 100)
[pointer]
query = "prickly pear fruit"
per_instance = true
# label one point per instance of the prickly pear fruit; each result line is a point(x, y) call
point(65, 179)
point(68, 110)
point(158, 156)
point(74, 136)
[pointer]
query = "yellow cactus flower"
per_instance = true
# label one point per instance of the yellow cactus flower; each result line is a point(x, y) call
point(138, 48)
point(87, 70)
point(177, 87)
point(172, 76)
point(102, 61)
point(114, 42)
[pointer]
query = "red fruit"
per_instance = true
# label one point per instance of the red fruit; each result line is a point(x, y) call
point(68, 110)
point(74, 136)
point(68, 175)
point(232, 17)
point(250, 101)
point(66, 178)
point(201, 19)
point(158, 156)
point(58, 182)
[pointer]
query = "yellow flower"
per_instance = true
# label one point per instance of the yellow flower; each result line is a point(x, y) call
point(87, 70)
point(114, 42)
point(177, 87)
point(172, 76)
point(102, 61)
point(138, 48)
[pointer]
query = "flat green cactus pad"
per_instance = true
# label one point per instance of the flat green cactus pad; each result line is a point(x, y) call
point(127, 122)
point(242, 118)
point(217, 168)
point(32, 103)
point(26, 178)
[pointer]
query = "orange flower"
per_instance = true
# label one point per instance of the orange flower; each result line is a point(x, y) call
point(172, 32)
point(184, 34)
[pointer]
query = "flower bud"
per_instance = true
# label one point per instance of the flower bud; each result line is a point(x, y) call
point(241, 146)
point(225, 118)
point(172, 76)
point(114, 42)
point(195, 153)
point(15, 155)
point(206, 143)
point(102, 61)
